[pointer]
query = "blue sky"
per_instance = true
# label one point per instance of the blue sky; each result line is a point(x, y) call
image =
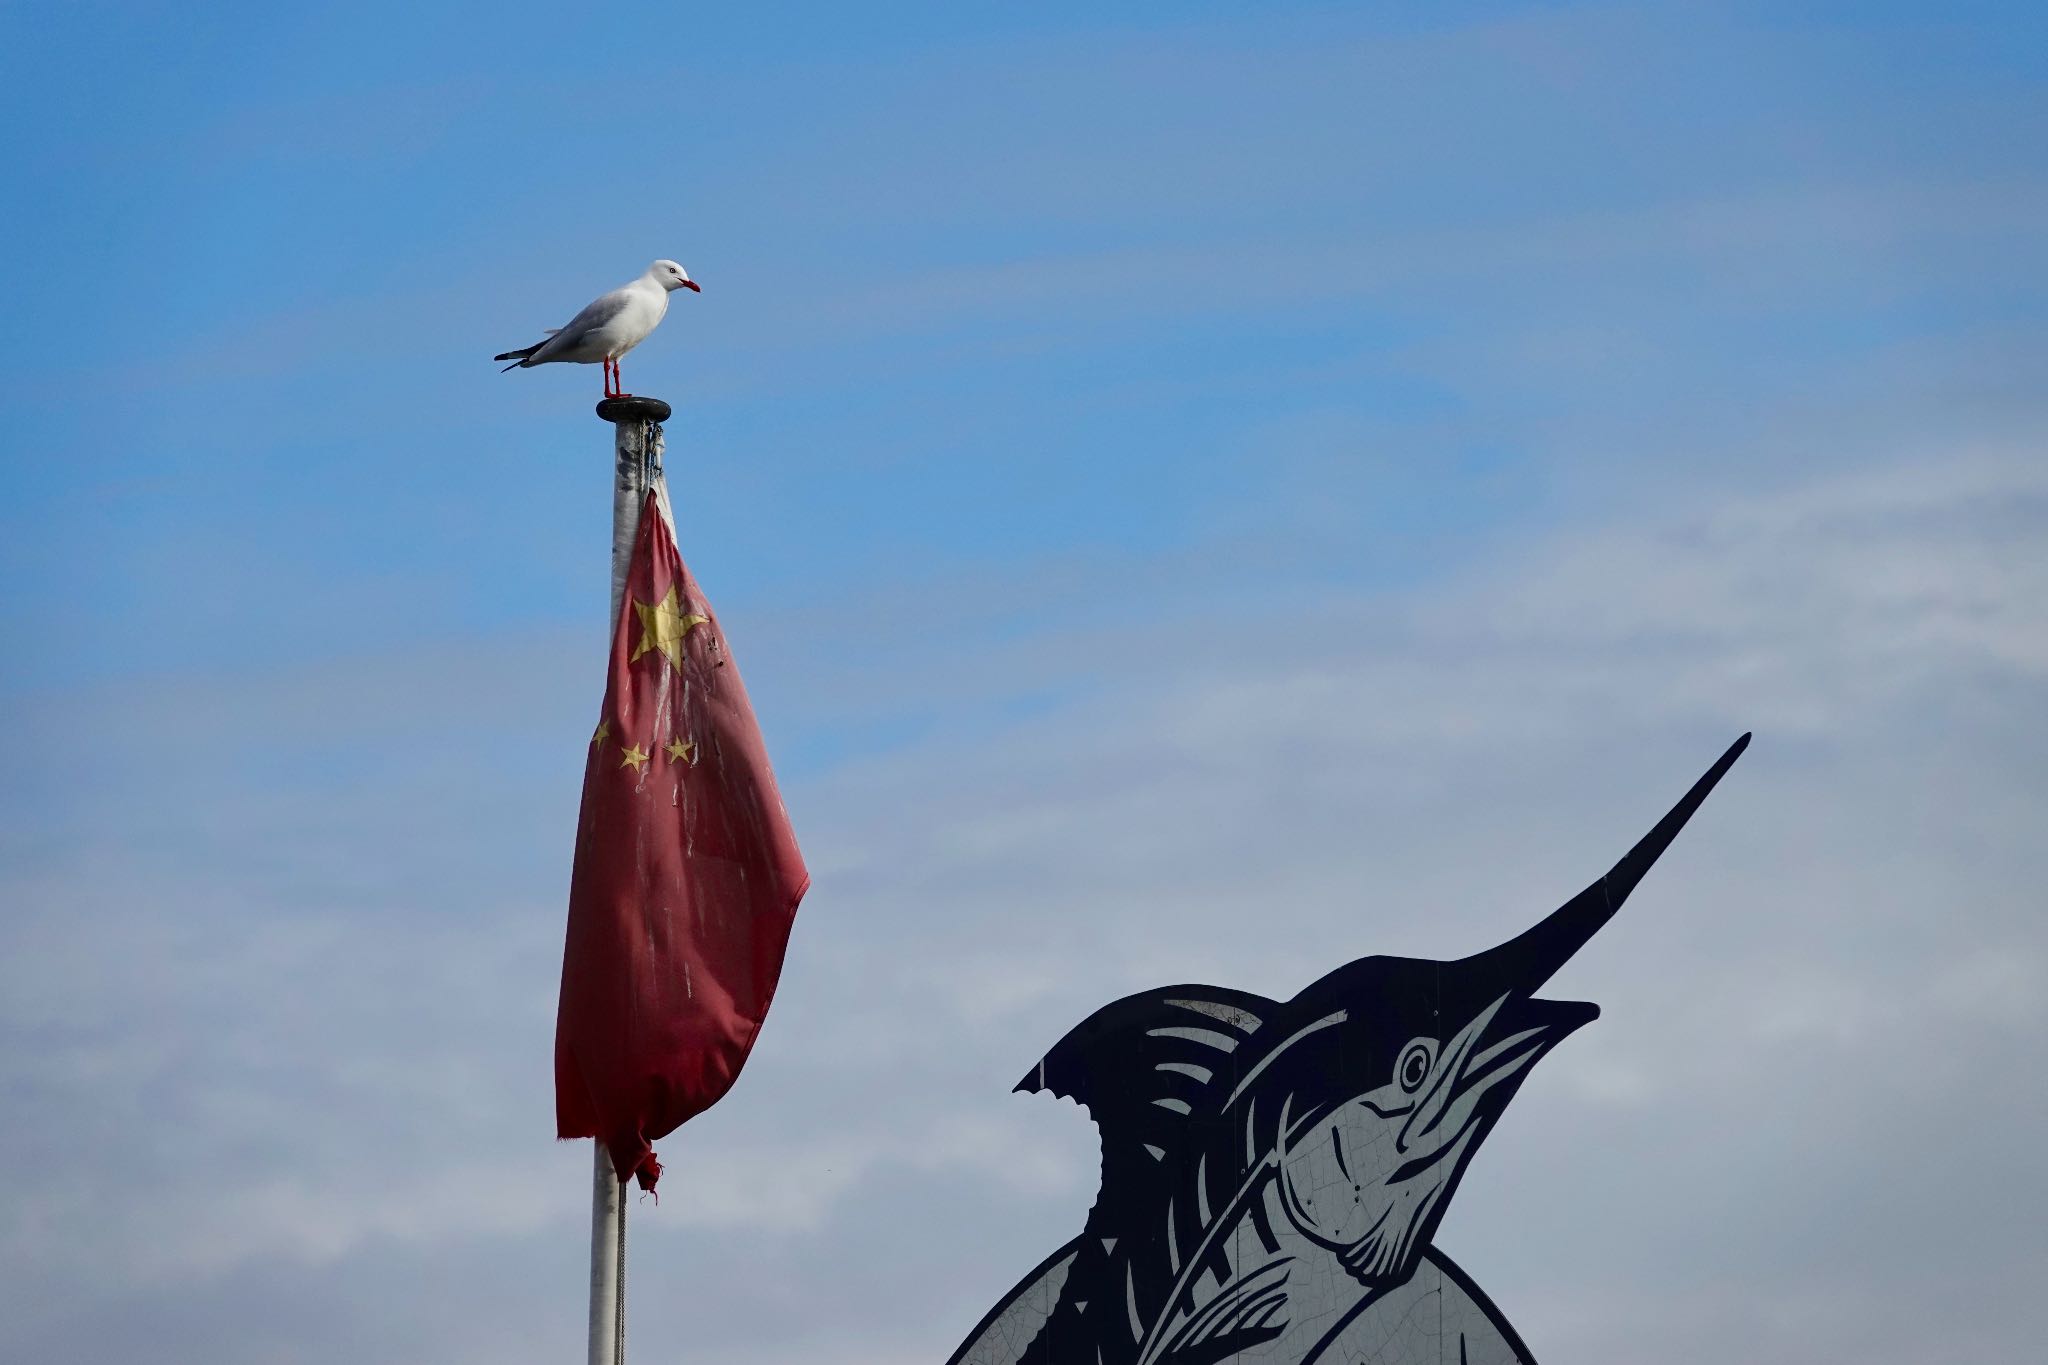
point(1198, 491)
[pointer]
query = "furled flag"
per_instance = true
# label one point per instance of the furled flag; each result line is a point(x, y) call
point(687, 875)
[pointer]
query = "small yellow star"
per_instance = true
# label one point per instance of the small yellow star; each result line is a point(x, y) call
point(679, 749)
point(634, 758)
point(664, 626)
point(604, 731)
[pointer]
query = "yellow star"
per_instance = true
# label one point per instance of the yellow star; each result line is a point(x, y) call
point(679, 749)
point(664, 626)
point(634, 758)
point(604, 731)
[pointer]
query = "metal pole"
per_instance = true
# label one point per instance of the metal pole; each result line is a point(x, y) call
point(636, 438)
point(607, 1263)
point(636, 427)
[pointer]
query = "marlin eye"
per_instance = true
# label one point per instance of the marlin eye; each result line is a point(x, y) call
point(1413, 1068)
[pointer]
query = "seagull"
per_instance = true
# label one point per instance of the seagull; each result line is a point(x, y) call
point(609, 325)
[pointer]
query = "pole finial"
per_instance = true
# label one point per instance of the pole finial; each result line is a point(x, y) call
point(633, 409)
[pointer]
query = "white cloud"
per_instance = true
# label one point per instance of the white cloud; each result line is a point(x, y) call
point(1420, 772)
point(276, 983)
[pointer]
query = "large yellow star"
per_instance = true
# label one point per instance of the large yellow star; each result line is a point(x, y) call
point(634, 758)
point(663, 626)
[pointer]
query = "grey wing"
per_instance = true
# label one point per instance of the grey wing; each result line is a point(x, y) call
point(571, 334)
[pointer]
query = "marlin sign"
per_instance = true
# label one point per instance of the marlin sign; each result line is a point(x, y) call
point(1273, 1174)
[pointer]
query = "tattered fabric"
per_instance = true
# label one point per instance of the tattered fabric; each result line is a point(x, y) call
point(686, 881)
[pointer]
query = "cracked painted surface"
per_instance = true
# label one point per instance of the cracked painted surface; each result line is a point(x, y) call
point(1273, 1173)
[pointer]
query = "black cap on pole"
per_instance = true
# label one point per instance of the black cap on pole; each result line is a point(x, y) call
point(633, 409)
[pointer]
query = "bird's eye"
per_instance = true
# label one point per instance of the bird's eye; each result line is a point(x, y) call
point(1413, 1068)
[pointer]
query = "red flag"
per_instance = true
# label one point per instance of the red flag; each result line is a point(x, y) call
point(687, 875)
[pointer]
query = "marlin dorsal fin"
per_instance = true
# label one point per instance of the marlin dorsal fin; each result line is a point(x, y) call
point(1143, 1063)
point(1140, 1066)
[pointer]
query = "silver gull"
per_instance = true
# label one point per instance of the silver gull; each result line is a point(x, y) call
point(609, 326)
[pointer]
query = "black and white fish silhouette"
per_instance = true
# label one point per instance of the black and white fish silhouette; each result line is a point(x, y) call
point(1273, 1173)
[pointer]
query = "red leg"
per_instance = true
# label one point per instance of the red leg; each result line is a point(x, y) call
point(619, 381)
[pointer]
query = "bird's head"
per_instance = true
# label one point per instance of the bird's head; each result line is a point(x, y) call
point(672, 277)
point(1400, 1068)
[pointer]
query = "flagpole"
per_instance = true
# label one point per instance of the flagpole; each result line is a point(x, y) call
point(607, 1262)
point(637, 447)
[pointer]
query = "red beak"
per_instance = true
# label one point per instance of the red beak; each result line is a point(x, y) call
point(691, 285)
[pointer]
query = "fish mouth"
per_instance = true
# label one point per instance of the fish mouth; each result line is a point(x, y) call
point(1488, 1058)
point(1492, 1055)
point(1522, 1031)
